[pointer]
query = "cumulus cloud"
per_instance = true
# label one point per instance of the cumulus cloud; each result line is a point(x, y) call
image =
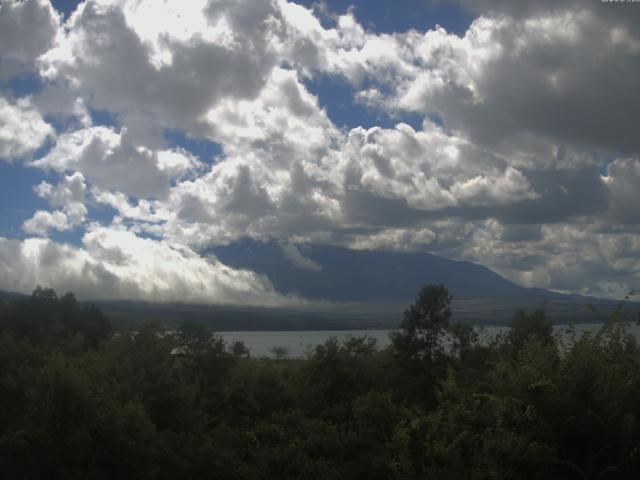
point(118, 264)
point(284, 175)
point(42, 222)
point(22, 129)
point(292, 252)
point(508, 187)
point(175, 70)
point(579, 257)
point(623, 181)
point(27, 30)
point(144, 210)
point(396, 239)
point(521, 114)
point(110, 160)
point(432, 170)
point(70, 190)
point(540, 84)
point(69, 194)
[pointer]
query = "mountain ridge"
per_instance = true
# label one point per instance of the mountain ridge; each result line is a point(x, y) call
point(364, 275)
point(356, 289)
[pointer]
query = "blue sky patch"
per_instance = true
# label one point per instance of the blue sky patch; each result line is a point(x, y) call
point(387, 16)
point(24, 85)
point(66, 7)
point(18, 201)
point(338, 97)
point(103, 117)
point(204, 149)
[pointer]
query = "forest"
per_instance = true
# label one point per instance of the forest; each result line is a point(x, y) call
point(83, 398)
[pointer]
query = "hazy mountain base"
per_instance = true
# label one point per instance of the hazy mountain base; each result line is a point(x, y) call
point(496, 310)
point(369, 315)
point(355, 290)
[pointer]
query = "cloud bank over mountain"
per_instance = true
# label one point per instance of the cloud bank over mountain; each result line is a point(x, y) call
point(166, 128)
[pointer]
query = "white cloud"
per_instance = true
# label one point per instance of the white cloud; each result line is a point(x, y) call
point(508, 173)
point(118, 264)
point(70, 190)
point(27, 30)
point(396, 239)
point(292, 252)
point(42, 222)
point(525, 86)
point(22, 129)
point(145, 210)
point(68, 194)
point(506, 188)
point(154, 75)
point(280, 170)
point(432, 170)
point(579, 257)
point(109, 160)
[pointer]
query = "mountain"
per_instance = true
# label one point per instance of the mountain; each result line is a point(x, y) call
point(374, 287)
point(322, 272)
point(359, 290)
point(11, 295)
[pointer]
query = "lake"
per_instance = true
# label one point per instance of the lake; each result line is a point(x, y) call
point(297, 343)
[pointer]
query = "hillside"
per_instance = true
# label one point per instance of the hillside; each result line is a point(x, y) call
point(343, 275)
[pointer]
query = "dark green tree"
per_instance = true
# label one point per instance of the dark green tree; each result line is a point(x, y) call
point(424, 324)
point(527, 327)
point(418, 346)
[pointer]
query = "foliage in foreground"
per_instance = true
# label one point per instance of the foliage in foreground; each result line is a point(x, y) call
point(78, 400)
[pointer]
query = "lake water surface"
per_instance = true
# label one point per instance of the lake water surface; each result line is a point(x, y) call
point(297, 343)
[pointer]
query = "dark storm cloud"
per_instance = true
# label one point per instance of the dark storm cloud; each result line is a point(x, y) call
point(26, 31)
point(570, 79)
point(623, 181)
point(113, 67)
point(619, 11)
point(521, 233)
point(563, 195)
point(362, 207)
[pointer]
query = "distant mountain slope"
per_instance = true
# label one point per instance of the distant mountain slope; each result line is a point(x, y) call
point(11, 295)
point(340, 274)
point(365, 289)
point(495, 310)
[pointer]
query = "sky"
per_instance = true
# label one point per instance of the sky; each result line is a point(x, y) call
point(135, 135)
